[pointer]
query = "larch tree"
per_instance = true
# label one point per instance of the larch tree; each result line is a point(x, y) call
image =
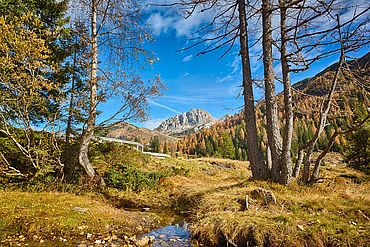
point(259, 168)
point(305, 40)
point(228, 25)
point(273, 129)
point(304, 35)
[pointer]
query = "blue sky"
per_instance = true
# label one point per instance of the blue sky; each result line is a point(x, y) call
point(199, 81)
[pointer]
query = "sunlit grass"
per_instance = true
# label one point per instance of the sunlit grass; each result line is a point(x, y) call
point(52, 212)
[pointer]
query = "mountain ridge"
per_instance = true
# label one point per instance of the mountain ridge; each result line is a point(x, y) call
point(180, 124)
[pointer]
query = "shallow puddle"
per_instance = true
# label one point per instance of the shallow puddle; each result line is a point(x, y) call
point(174, 236)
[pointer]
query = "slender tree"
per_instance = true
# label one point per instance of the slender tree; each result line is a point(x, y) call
point(228, 25)
point(286, 163)
point(117, 37)
point(273, 133)
point(258, 166)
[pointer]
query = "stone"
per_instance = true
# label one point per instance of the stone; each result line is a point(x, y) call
point(98, 241)
point(265, 195)
point(164, 244)
point(162, 236)
point(89, 235)
point(143, 242)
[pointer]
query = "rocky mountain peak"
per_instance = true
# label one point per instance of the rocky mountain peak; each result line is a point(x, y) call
point(182, 122)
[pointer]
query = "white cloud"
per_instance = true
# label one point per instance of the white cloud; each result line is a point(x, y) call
point(163, 19)
point(226, 78)
point(236, 64)
point(187, 58)
point(159, 23)
point(186, 74)
point(186, 27)
point(162, 106)
point(152, 123)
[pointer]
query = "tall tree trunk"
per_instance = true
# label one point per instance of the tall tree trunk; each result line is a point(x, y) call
point(89, 132)
point(273, 133)
point(324, 110)
point(259, 168)
point(286, 162)
point(71, 101)
point(298, 163)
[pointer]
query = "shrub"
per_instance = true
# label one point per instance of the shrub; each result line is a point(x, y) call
point(127, 177)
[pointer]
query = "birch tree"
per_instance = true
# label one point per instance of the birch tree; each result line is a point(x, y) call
point(117, 38)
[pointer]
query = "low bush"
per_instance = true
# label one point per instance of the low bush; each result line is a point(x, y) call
point(130, 178)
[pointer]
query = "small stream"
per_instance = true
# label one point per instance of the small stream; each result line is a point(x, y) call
point(177, 235)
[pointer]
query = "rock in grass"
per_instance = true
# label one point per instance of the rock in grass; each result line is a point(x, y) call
point(266, 195)
point(143, 242)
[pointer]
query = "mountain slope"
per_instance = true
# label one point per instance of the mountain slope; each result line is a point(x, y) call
point(131, 132)
point(349, 102)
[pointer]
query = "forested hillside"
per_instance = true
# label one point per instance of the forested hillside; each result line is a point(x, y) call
point(227, 139)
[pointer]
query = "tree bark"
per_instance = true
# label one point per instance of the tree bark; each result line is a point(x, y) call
point(273, 133)
point(71, 101)
point(89, 132)
point(259, 168)
point(298, 163)
point(286, 162)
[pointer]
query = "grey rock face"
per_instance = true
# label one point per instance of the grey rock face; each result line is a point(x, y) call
point(182, 122)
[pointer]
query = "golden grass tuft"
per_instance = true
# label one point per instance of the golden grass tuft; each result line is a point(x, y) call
point(330, 213)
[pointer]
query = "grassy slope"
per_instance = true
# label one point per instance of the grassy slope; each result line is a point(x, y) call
point(332, 212)
point(209, 192)
point(327, 214)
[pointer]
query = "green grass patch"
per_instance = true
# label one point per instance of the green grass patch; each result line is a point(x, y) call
point(47, 213)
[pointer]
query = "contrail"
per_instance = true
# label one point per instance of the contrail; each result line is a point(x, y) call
point(163, 106)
